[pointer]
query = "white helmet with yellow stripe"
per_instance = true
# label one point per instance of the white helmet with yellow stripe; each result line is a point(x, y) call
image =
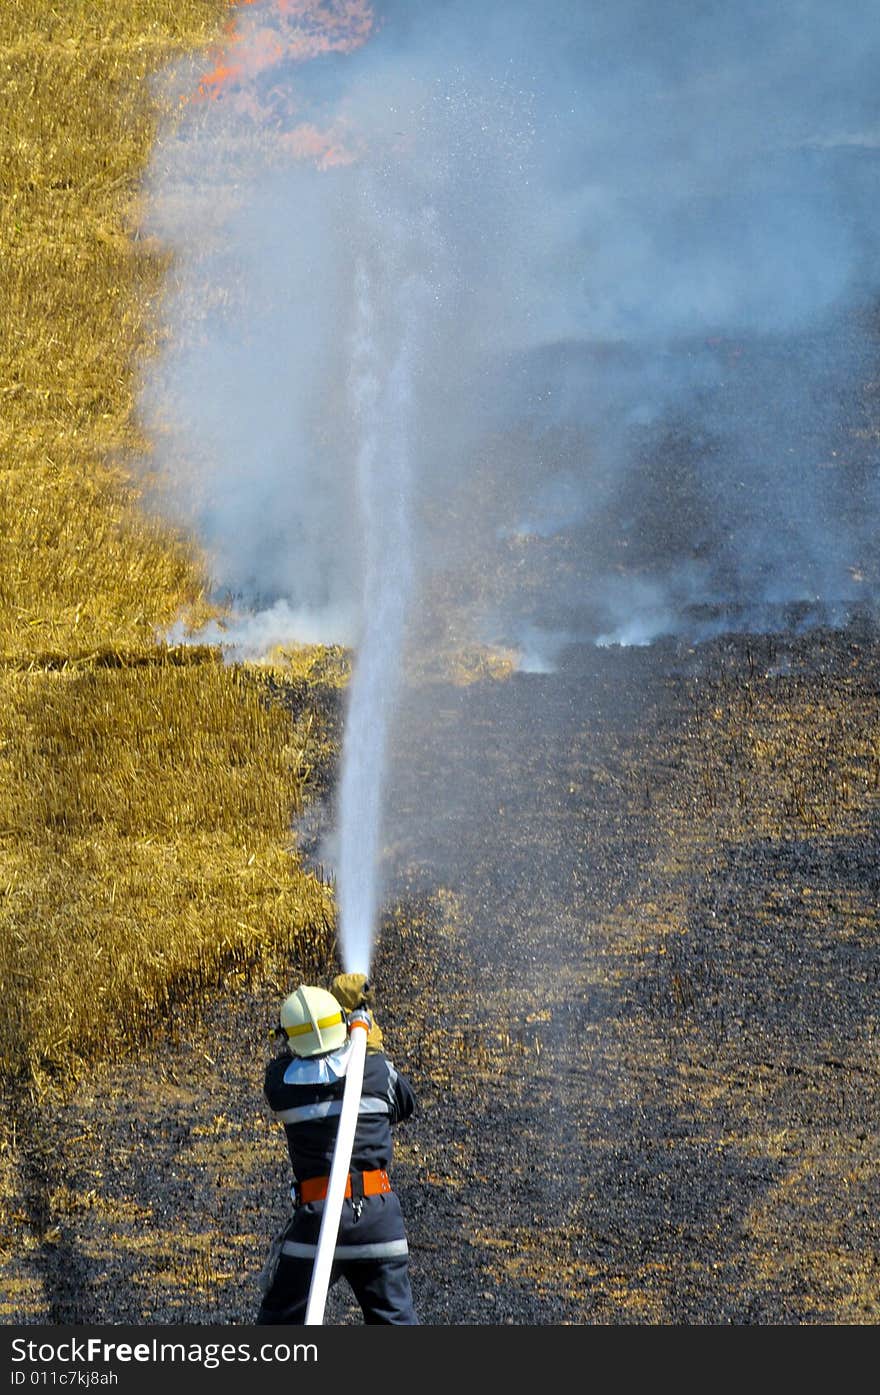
point(313, 1022)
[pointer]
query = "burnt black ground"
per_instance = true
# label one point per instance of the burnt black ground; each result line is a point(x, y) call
point(631, 967)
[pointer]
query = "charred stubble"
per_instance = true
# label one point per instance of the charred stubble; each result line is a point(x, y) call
point(634, 982)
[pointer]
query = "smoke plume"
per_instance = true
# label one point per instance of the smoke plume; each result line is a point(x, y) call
point(621, 267)
point(647, 243)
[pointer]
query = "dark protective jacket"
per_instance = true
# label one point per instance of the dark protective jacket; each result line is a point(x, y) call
point(305, 1095)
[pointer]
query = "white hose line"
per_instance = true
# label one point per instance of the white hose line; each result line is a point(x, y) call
point(351, 1098)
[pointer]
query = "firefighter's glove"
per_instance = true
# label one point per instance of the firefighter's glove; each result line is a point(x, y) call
point(352, 991)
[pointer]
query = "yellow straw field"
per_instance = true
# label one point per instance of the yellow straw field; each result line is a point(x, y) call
point(146, 794)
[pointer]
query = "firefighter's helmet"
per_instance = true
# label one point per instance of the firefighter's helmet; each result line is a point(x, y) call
point(313, 1022)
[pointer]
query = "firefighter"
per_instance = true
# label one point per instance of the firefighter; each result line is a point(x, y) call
point(304, 1087)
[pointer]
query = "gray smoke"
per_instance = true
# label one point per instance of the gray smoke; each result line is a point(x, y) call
point(531, 325)
point(649, 235)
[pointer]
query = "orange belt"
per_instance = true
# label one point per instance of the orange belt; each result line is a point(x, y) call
point(315, 1188)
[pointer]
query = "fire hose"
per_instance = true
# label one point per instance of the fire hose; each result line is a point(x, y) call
point(358, 1025)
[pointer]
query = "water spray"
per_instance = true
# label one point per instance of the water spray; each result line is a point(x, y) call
point(383, 405)
point(382, 401)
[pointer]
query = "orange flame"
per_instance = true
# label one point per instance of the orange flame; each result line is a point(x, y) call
point(324, 148)
point(289, 31)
